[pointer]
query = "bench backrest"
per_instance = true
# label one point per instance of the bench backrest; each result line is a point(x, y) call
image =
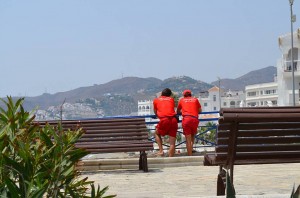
point(258, 135)
point(110, 135)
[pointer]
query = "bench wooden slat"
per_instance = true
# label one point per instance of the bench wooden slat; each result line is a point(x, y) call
point(263, 154)
point(98, 120)
point(99, 127)
point(117, 150)
point(112, 139)
point(212, 160)
point(115, 130)
point(99, 146)
point(113, 133)
point(285, 109)
point(262, 140)
point(259, 148)
point(120, 143)
point(113, 125)
point(269, 133)
point(262, 133)
point(262, 157)
point(113, 145)
point(270, 117)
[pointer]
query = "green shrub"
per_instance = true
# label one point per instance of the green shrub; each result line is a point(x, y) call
point(203, 132)
point(295, 194)
point(39, 161)
point(230, 191)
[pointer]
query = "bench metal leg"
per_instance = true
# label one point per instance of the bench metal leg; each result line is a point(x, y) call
point(221, 183)
point(140, 161)
point(143, 163)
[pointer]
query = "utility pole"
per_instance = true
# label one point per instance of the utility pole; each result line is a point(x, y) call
point(293, 19)
point(219, 79)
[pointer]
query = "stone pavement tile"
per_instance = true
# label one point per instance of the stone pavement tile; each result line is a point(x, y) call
point(266, 179)
point(251, 181)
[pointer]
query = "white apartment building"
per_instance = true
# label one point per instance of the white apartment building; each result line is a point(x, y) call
point(284, 69)
point(216, 98)
point(210, 100)
point(264, 94)
point(280, 92)
point(145, 107)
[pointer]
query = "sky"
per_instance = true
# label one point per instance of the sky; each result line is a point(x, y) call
point(53, 46)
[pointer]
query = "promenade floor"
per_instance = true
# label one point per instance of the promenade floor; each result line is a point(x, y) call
point(191, 181)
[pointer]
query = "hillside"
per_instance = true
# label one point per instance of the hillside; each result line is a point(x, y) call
point(120, 96)
point(128, 85)
point(117, 97)
point(254, 77)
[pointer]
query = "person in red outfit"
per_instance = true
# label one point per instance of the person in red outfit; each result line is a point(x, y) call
point(164, 109)
point(190, 108)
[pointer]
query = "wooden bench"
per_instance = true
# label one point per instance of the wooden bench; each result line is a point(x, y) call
point(111, 136)
point(255, 136)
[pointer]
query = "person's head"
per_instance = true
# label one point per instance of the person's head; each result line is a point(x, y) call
point(166, 92)
point(187, 93)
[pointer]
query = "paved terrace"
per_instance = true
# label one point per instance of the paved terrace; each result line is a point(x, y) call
point(186, 177)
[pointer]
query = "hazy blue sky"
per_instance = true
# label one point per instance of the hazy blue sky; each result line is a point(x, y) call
point(58, 45)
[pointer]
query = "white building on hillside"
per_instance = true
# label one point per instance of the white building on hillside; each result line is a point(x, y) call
point(264, 94)
point(280, 92)
point(210, 100)
point(284, 69)
point(145, 107)
point(216, 98)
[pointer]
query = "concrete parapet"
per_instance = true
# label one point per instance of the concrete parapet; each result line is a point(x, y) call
point(133, 163)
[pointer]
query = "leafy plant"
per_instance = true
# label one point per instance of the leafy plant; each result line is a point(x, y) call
point(175, 97)
point(230, 191)
point(295, 194)
point(207, 133)
point(39, 161)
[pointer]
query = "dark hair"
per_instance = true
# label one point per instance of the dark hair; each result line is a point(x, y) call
point(187, 94)
point(166, 92)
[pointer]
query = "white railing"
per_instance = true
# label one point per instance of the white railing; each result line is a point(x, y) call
point(287, 65)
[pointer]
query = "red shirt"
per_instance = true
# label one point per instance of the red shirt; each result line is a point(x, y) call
point(164, 106)
point(189, 106)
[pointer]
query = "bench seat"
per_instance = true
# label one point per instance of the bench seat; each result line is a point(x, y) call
point(111, 136)
point(255, 136)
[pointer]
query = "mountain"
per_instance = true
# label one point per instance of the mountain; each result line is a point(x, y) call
point(264, 75)
point(121, 96)
point(123, 86)
point(117, 97)
point(179, 84)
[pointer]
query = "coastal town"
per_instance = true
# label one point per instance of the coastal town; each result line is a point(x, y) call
point(276, 93)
